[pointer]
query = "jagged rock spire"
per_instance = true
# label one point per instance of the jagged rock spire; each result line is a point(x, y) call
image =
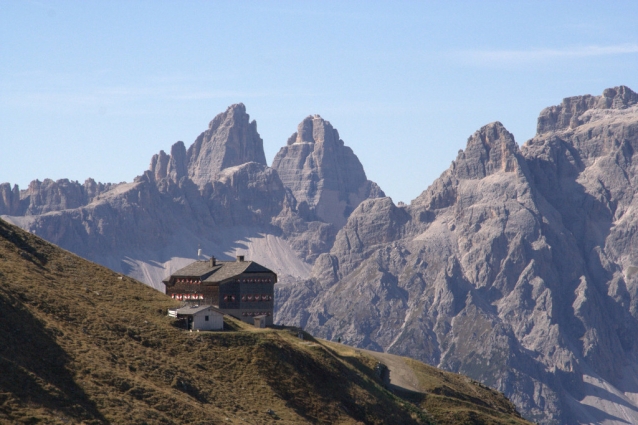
point(490, 149)
point(231, 139)
point(322, 172)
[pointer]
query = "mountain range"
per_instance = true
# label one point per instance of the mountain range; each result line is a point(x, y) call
point(515, 267)
point(80, 344)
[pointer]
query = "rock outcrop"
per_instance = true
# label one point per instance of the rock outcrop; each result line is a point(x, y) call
point(325, 176)
point(48, 195)
point(514, 267)
point(218, 195)
point(231, 139)
point(569, 114)
point(171, 166)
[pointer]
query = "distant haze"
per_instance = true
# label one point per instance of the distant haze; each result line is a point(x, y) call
point(95, 89)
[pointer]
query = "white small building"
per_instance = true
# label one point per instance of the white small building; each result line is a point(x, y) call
point(201, 318)
point(260, 321)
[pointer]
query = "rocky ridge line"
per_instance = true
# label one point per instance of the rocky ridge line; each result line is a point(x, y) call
point(510, 268)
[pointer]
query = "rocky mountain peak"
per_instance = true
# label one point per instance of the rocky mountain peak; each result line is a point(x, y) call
point(159, 164)
point(516, 267)
point(489, 150)
point(177, 165)
point(314, 129)
point(619, 97)
point(323, 174)
point(173, 165)
point(567, 114)
point(231, 139)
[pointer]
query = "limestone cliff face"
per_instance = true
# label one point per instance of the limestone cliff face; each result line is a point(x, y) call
point(247, 194)
point(218, 195)
point(514, 267)
point(231, 139)
point(171, 166)
point(569, 114)
point(48, 195)
point(323, 173)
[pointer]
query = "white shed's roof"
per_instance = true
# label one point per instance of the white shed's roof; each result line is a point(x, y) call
point(191, 310)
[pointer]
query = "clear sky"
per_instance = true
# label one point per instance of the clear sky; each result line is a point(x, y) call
point(95, 88)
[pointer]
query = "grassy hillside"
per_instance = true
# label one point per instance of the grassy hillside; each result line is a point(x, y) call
point(80, 344)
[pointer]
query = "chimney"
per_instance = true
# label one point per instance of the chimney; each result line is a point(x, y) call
point(240, 258)
point(212, 261)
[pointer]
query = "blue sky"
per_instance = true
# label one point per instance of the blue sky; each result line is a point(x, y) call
point(94, 89)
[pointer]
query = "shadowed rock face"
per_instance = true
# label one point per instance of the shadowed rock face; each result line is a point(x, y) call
point(322, 172)
point(510, 268)
point(218, 195)
point(247, 194)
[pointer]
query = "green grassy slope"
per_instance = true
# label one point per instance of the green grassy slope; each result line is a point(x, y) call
point(79, 344)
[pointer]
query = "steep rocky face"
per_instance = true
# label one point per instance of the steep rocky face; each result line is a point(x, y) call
point(48, 195)
point(171, 166)
point(231, 139)
point(569, 114)
point(325, 176)
point(141, 227)
point(247, 194)
point(10, 199)
point(113, 222)
point(217, 195)
point(489, 150)
point(514, 267)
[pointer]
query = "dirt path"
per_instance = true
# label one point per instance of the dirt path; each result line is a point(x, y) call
point(401, 375)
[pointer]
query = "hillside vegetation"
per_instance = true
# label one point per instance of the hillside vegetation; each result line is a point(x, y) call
point(82, 344)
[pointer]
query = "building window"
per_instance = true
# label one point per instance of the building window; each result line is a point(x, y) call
point(206, 318)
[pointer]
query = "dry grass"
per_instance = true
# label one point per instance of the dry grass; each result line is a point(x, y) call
point(448, 398)
point(80, 344)
point(456, 399)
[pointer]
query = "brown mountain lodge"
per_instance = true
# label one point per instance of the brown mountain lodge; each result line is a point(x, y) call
point(242, 289)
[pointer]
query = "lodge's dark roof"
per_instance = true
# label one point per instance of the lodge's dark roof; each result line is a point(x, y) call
point(196, 268)
point(235, 268)
point(221, 271)
point(188, 310)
